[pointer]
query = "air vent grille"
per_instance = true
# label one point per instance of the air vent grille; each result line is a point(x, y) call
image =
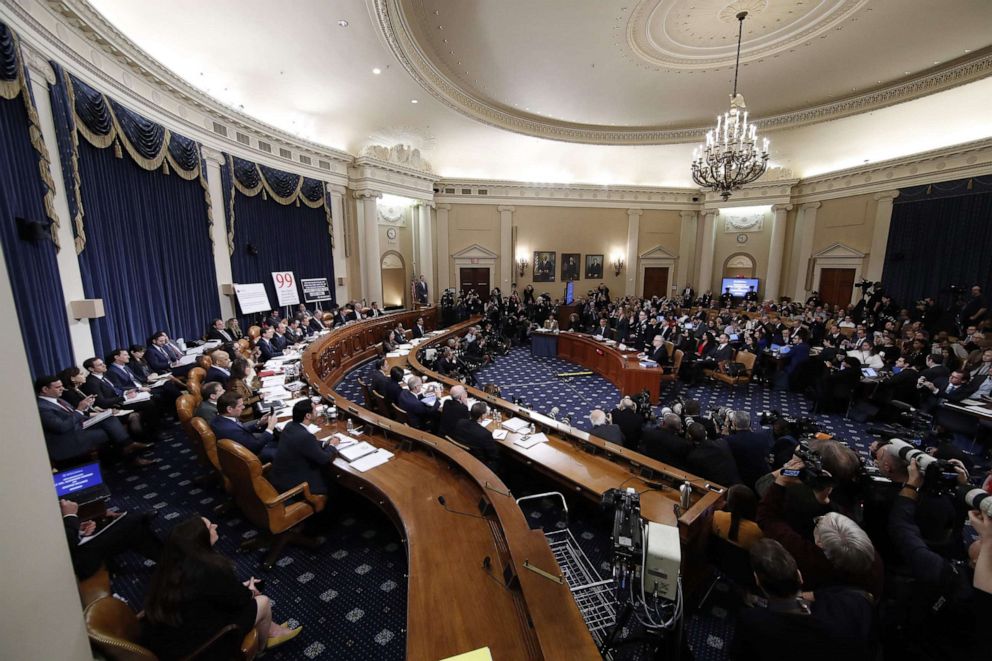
point(264, 146)
point(220, 129)
point(285, 153)
point(242, 138)
point(305, 160)
point(324, 165)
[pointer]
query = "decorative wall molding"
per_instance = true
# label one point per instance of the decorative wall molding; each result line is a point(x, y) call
point(403, 155)
point(395, 29)
point(481, 191)
point(369, 172)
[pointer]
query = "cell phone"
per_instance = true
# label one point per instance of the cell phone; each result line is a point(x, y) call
point(272, 410)
point(791, 472)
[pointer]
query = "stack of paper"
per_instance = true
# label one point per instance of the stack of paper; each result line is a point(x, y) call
point(356, 451)
point(368, 462)
point(515, 425)
point(268, 381)
point(529, 441)
point(138, 397)
point(500, 434)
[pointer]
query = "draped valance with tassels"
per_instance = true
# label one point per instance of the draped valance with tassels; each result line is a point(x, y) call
point(14, 83)
point(105, 123)
point(945, 189)
point(286, 188)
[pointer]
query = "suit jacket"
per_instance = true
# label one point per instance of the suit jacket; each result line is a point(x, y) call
point(64, 433)
point(713, 460)
point(267, 349)
point(962, 392)
point(107, 394)
point(279, 342)
point(380, 382)
point(660, 355)
point(217, 374)
point(609, 432)
point(259, 442)
point(629, 423)
point(315, 326)
point(798, 356)
point(478, 439)
point(224, 335)
point(159, 361)
point(750, 450)
point(418, 331)
point(393, 390)
point(665, 446)
point(206, 410)
point(451, 413)
point(300, 458)
point(721, 354)
point(417, 411)
point(123, 377)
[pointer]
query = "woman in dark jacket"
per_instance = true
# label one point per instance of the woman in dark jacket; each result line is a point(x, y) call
point(194, 594)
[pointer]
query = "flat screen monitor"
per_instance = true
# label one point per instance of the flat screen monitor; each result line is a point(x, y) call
point(739, 286)
point(569, 292)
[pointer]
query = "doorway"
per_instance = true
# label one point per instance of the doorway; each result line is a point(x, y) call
point(837, 286)
point(655, 281)
point(393, 275)
point(475, 279)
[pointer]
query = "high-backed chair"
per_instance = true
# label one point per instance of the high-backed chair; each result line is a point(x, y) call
point(672, 374)
point(243, 347)
point(115, 630)
point(95, 586)
point(254, 332)
point(193, 382)
point(186, 410)
point(400, 415)
point(745, 358)
point(277, 514)
point(384, 408)
point(204, 361)
point(209, 443)
point(366, 394)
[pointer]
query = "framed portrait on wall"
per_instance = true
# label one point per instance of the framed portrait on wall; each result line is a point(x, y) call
point(544, 266)
point(594, 267)
point(570, 266)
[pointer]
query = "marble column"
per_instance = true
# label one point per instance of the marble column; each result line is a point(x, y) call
point(880, 234)
point(687, 248)
point(707, 247)
point(222, 255)
point(370, 253)
point(443, 253)
point(426, 243)
point(505, 247)
point(341, 293)
point(776, 250)
point(805, 227)
point(80, 336)
point(633, 234)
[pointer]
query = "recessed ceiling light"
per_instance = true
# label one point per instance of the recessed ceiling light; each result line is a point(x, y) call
point(414, 101)
point(376, 70)
point(342, 23)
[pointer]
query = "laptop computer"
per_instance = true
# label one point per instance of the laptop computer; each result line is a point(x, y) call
point(869, 372)
point(775, 348)
point(81, 484)
point(735, 337)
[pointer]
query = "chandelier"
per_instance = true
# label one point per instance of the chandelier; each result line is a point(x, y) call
point(730, 158)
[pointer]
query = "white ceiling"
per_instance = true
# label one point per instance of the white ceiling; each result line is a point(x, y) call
point(292, 66)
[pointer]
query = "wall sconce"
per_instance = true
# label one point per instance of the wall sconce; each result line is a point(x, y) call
point(522, 266)
point(617, 266)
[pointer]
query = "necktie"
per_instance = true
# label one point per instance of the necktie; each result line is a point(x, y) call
point(64, 404)
point(173, 352)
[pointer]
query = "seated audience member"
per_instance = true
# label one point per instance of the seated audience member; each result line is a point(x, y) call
point(446, 362)
point(418, 328)
point(62, 423)
point(295, 333)
point(267, 349)
point(220, 367)
point(380, 376)
point(710, 458)
point(454, 409)
point(256, 437)
point(300, 457)
point(388, 346)
point(836, 623)
point(210, 392)
point(658, 352)
point(109, 396)
point(868, 354)
point(234, 328)
point(666, 442)
point(218, 331)
point(120, 374)
point(603, 428)
point(470, 432)
point(163, 355)
point(120, 430)
point(836, 389)
point(129, 532)
point(312, 324)
point(626, 417)
point(194, 593)
point(280, 340)
point(393, 387)
point(242, 383)
point(840, 554)
point(736, 521)
point(421, 415)
point(955, 388)
point(399, 335)
point(749, 448)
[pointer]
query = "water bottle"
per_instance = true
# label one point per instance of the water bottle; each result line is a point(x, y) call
point(685, 493)
point(532, 429)
point(351, 427)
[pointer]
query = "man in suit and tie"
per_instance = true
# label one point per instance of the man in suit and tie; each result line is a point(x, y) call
point(954, 388)
point(454, 410)
point(602, 428)
point(210, 392)
point(480, 440)
point(659, 352)
point(109, 396)
point(380, 377)
point(266, 347)
point(393, 387)
point(62, 424)
point(420, 290)
point(257, 436)
point(219, 332)
point(300, 457)
point(418, 328)
point(422, 416)
point(120, 373)
point(163, 356)
point(220, 367)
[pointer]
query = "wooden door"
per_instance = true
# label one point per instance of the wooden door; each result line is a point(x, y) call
point(836, 286)
point(477, 280)
point(655, 281)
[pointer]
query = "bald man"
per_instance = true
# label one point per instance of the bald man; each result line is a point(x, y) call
point(455, 409)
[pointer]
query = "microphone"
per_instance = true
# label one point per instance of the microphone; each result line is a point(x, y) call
point(440, 499)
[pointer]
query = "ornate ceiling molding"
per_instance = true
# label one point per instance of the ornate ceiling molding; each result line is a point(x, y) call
point(395, 29)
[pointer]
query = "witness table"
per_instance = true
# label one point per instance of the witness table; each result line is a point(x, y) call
point(544, 345)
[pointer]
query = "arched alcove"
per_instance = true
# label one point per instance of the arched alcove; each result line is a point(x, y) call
point(393, 270)
point(739, 265)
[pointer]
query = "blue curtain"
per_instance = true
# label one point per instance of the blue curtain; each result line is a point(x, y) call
point(287, 237)
point(941, 235)
point(148, 252)
point(31, 265)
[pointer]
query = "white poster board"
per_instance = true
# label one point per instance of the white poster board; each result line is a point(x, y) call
point(315, 289)
point(252, 298)
point(286, 291)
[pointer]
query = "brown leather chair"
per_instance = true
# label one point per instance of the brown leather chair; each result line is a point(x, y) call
point(672, 373)
point(277, 514)
point(94, 587)
point(399, 415)
point(382, 405)
point(114, 629)
point(186, 409)
point(209, 442)
point(747, 359)
point(204, 361)
point(193, 382)
point(254, 332)
point(366, 394)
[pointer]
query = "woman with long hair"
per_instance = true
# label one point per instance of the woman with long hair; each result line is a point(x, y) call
point(194, 593)
point(240, 382)
point(736, 522)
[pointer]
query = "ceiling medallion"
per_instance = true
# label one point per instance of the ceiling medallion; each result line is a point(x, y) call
point(730, 158)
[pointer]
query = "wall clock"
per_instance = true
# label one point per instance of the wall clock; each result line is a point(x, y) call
point(391, 233)
point(742, 238)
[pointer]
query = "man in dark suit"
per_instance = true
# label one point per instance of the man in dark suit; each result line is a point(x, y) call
point(219, 332)
point(749, 448)
point(300, 457)
point(420, 290)
point(726, 299)
point(63, 424)
point(394, 386)
point(626, 417)
point(751, 296)
point(418, 328)
point(837, 387)
point(220, 367)
point(666, 443)
point(109, 396)
point(711, 458)
point(688, 296)
point(454, 409)
point(210, 392)
point(129, 532)
point(121, 374)
point(279, 339)
point(257, 436)
point(659, 352)
point(479, 439)
point(420, 414)
point(162, 355)
point(603, 428)
point(954, 388)
point(380, 377)
point(266, 347)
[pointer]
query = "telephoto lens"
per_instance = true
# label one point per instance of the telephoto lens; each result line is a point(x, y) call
point(976, 499)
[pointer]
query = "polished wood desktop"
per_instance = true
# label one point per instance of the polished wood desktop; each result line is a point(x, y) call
point(470, 584)
point(621, 368)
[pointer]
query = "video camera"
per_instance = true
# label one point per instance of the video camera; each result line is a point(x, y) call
point(642, 402)
point(939, 476)
point(812, 473)
point(797, 427)
point(627, 542)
